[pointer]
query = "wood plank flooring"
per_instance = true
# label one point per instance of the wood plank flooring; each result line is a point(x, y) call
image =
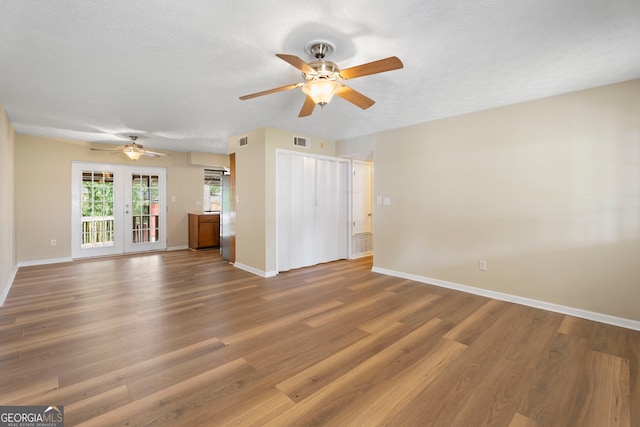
point(183, 338)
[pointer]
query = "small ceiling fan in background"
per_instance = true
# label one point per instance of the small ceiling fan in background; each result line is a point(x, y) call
point(323, 78)
point(133, 150)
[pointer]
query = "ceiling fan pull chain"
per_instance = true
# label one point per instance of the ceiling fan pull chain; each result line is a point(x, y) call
point(322, 133)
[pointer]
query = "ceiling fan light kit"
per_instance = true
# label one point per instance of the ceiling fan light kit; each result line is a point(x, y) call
point(323, 78)
point(133, 150)
point(321, 90)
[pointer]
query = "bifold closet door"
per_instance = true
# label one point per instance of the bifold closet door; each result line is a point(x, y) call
point(295, 211)
point(332, 210)
point(312, 209)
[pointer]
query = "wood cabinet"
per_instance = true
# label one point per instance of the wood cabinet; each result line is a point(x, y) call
point(204, 230)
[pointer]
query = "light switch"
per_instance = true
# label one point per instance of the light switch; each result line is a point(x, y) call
point(386, 201)
point(379, 200)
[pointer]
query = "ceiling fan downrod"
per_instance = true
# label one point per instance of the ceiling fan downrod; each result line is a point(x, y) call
point(320, 49)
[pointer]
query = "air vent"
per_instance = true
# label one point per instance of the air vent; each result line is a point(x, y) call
point(299, 141)
point(243, 141)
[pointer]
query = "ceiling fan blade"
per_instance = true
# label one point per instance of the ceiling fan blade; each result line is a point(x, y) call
point(267, 92)
point(154, 154)
point(307, 107)
point(120, 148)
point(296, 62)
point(355, 97)
point(380, 66)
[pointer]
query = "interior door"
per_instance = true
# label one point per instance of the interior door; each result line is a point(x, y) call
point(117, 209)
point(362, 197)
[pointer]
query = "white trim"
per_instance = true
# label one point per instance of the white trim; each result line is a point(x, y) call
point(261, 273)
point(5, 293)
point(313, 155)
point(44, 262)
point(571, 311)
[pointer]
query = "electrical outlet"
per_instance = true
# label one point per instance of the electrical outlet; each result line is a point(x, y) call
point(483, 265)
point(54, 242)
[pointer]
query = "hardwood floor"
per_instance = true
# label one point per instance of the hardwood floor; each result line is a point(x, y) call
point(183, 338)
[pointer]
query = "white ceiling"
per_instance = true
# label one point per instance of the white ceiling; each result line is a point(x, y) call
point(173, 70)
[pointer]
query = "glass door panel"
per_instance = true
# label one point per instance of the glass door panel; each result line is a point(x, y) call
point(95, 210)
point(147, 208)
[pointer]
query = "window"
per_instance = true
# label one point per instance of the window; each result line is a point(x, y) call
point(212, 189)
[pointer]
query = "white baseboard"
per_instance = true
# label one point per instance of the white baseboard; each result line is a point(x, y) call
point(255, 271)
point(44, 261)
point(5, 293)
point(361, 255)
point(571, 311)
point(59, 260)
point(177, 248)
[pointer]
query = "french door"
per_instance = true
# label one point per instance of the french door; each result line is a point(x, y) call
point(117, 209)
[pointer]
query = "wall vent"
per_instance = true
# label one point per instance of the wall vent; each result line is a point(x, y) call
point(300, 141)
point(362, 244)
point(243, 141)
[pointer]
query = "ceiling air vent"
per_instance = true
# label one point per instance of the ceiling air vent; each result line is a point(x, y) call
point(243, 141)
point(299, 141)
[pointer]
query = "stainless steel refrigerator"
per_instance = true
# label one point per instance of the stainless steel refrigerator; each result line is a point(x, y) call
point(225, 219)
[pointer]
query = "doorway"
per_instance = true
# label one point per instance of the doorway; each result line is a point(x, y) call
point(361, 209)
point(117, 209)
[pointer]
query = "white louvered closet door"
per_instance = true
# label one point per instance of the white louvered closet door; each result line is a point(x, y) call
point(331, 211)
point(312, 211)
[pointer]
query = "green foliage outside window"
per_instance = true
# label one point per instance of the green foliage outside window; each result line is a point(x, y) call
point(97, 198)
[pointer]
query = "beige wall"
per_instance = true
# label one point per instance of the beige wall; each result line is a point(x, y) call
point(250, 201)
point(8, 260)
point(360, 148)
point(43, 193)
point(256, 189)
point(548, 192)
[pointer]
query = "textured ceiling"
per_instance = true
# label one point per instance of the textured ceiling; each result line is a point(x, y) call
point(173, 70)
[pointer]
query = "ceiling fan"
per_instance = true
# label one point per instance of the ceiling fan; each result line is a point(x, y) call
point(133, 150)
point(323, 78)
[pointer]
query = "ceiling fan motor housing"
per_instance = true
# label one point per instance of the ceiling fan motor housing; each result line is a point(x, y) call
point(323, 70)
